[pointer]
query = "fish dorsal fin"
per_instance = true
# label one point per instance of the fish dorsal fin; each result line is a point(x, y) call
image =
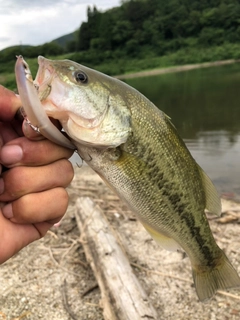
point(164, 241)
point(213, 201)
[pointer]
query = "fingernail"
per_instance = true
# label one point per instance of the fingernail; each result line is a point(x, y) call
point(1, 185)
point(56, 225)
point(11, 154)
point(7, 211)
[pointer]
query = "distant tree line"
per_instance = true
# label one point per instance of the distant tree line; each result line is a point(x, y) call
point(139, 28)
point(160, 25)
point(51, 48)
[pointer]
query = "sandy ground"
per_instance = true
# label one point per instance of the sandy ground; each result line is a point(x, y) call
point(50, 279)
point(173, 69)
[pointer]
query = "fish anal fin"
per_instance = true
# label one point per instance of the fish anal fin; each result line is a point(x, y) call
point(213, 201)
point(163, 240)
point(222, 277)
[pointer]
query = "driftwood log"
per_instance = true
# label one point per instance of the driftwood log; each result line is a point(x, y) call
point(123, 298)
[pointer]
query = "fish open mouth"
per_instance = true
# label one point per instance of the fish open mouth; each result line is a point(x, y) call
point(43, 86)
point(82, 117)
point(33, 108)
point(53, 93)
point(43, 79)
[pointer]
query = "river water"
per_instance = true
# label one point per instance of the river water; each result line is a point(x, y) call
point(204, 105)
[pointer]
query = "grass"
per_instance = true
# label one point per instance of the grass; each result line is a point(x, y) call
point(189, 55)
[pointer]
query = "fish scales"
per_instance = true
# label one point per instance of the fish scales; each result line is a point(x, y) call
point(142, 169)
point(135, 148)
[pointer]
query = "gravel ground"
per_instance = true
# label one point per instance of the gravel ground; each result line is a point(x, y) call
point(51, 279)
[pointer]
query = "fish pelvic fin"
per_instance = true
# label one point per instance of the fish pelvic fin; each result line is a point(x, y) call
point(164, 241)
point(221, 277)
point(213, 200)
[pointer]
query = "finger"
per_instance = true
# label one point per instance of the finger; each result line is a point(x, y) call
point(9, 104)
point(32, 134)
point(8, 132)
point(14, 236)
point(48, 206)
point(18, 181)
point(22, 151)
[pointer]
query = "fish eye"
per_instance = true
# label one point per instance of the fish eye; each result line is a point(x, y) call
point(80, 76)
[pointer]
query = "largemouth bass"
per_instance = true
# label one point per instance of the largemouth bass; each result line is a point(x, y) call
point(136, 149)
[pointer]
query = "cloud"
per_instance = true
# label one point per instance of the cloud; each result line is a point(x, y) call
point(35, 22)
point(15, 6)
point(31, 26)
point(12, 6)
point(4, 39)
point(26, 5)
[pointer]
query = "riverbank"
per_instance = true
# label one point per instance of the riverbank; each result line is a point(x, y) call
point(186, 67)
point(51, 278)
point(146, 63)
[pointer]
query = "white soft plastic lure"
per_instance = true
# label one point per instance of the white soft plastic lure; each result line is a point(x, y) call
point(35, 113)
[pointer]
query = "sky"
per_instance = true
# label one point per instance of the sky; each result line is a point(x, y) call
point(35, 22)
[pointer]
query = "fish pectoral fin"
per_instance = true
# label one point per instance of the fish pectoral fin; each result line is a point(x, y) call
point(163, 240)
point(221, 277)
point(213, 201)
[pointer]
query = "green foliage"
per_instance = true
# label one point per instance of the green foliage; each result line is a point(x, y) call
point(109, 64)
point(211, 36)
point(9, 54)
point(163, 26)
point(8, 80)
point(143, 34)
point(64, 40)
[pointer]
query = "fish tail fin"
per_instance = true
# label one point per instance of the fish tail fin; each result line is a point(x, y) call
point(221, 277)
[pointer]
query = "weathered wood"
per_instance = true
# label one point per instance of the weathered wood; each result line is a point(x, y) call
point(123, 298)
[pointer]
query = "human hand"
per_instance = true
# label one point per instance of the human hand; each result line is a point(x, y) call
point(32, 194)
